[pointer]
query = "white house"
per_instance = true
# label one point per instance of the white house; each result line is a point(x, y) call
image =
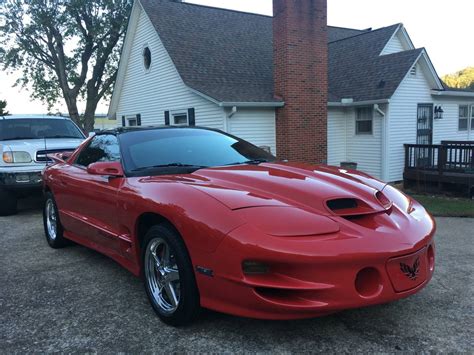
point(189, 64)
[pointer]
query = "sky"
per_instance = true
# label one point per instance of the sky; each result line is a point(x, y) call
point(444, 28)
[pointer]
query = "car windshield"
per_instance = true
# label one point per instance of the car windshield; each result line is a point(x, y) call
point(160, 150)
point(39, 128)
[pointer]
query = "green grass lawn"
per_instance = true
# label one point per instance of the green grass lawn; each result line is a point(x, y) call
point(442, 206)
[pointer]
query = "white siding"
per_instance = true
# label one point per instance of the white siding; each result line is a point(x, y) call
point(412, 91)
point(254, 125)
point(161, 89)
point(394, 45)
point(365, 150)
point(447, 127)
point(336, 136)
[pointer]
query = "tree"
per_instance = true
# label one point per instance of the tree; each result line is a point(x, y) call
point(463, 79)
point(3, 105)
point(65, 49)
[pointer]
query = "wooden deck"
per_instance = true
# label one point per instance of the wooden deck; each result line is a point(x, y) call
point(449, 163)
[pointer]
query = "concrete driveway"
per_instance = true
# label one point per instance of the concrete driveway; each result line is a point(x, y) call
point(78, 300)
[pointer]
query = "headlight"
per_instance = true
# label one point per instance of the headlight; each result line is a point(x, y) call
point(287, 221)
point(16, 157)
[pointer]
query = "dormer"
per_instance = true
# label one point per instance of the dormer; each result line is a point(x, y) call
point(399, 42)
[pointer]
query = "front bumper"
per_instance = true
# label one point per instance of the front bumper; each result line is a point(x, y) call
point(316, 276)
point(21, 178)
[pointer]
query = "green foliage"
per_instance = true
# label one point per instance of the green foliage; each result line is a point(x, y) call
point(463, 79)
point(3, 105)
point(65, 49)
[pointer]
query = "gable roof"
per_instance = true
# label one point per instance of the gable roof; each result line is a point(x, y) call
point(227, 55)
point(358, 71)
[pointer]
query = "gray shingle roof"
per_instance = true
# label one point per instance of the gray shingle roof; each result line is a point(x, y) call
point(357, 71)
point(338, 33)
point(228, 55)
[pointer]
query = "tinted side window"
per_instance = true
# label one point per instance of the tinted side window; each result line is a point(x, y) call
point(101, 148)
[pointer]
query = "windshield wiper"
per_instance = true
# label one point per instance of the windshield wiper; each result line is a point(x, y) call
point(250, 162)
point(171, 165)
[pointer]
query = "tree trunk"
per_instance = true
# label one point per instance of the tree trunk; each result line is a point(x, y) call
point(89, 115)
point(71, 103)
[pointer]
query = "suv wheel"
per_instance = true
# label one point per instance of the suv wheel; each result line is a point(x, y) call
point(8, 203)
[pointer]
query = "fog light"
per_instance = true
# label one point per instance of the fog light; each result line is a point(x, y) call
point(368, 283)
point(250, 267)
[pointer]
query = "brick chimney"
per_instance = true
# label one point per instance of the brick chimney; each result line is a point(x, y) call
point(300, 51)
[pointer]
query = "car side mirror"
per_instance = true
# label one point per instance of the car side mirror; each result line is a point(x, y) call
point(66, 155)
point(109, 168)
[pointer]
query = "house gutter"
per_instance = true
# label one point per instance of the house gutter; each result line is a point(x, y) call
point(237, 104)
point(342, 103)
point(452, 93)
point(252, 104)
point(349, 103)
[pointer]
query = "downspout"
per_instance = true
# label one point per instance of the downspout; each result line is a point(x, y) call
point(384, 158)
point(227, 117)
point(232, 112)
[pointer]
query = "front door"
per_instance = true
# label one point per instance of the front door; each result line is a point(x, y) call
point(424, 135)
point(424, 128)
point(89, 202)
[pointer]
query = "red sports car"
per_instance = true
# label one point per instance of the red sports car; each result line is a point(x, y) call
point(210, 220)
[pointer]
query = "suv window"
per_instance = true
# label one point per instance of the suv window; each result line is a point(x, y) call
point(103, 147)
point(39, 128)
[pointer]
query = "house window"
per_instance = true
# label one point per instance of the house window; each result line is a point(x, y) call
point(179, 118)
point(146, 58)
point(463, 117)
point(472, 118)
point(131, 121)
point(364, 120)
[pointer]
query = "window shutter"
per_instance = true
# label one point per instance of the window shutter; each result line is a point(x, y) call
point(167, 118)
point(123, 121)
point(139, 119)
point(192, 117)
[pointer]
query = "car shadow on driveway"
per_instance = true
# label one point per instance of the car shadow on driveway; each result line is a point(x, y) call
point(77, 300)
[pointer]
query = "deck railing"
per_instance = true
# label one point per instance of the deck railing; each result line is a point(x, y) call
point(450, 156)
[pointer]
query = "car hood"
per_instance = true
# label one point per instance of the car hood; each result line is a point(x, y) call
point(33, 145)
point(284, 184)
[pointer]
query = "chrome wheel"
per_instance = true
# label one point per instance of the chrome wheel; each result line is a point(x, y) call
point(51, 219)
point(162, 275)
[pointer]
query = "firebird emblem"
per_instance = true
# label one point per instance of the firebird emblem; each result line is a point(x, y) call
point(411, 271)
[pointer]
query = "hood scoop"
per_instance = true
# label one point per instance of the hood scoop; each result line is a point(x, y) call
point(354, 207)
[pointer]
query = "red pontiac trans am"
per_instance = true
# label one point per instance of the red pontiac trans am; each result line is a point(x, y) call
point(210, 220)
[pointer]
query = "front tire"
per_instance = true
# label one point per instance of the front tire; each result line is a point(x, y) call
point(53, 229)
point(169, 277)
point(8, 203)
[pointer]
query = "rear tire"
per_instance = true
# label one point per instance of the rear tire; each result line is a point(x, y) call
point(8, 203)
point(53, 229)
point(169, 278)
